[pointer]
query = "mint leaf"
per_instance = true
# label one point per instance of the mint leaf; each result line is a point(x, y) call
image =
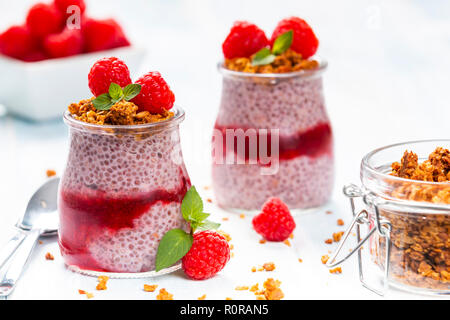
point(283, 42)
point(192, 206)
point(173, 246)
point(199, 216)
point(208, 225)
point(131, 91)
point(197, 220)
point(103, 102)
point(263, 57)
point(115, 92)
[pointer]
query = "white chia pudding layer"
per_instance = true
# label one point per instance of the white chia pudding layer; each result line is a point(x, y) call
point(127, 163)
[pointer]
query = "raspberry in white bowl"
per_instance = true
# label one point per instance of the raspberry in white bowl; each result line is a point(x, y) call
point(125, 177)
point(277, 88)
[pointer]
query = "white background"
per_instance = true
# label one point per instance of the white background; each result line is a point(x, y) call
point(387, 82)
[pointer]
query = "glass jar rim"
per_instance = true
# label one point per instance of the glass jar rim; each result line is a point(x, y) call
point(178, 117)
point(323, 64)
point(377, 181)
point(365, 164)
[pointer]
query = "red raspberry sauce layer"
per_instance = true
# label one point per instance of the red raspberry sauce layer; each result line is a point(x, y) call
point(314, 142)
point(85, 216)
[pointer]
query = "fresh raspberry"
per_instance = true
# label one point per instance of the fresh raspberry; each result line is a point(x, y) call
point(17, 42)
point(155, 95)
point(44, 19)
point(208, 255)
point(64, 44)
point(105, 71)
point(275, 222)
point(35, 56)
point(304, 40)
point(62, 5)
point(244, 40)
point(103, 35)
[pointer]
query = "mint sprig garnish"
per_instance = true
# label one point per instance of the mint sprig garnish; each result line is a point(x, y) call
point(281, 45)
point(176, 242)
point(263, 57)
point(115, 94)
point(173, 246)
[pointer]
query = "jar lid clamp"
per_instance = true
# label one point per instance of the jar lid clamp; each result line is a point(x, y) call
point(383, 227)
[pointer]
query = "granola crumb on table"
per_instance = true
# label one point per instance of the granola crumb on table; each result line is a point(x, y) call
point(254, 288)
point(337, 236)
point(50, 173)
point(289, 61)
point(102, 280)
point(269, 266)
point(420, 253)
point(225, 234)
point(121, 113)
point(49, 256)
point(272, 290)
point(150, 287)
point(88, 294)
point(336, 270)
point(164, 295)
point(241, 288)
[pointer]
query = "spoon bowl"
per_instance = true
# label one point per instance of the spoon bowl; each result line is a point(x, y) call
point(41, 213)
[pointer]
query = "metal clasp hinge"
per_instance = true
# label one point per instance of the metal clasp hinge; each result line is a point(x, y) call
point(383, 227)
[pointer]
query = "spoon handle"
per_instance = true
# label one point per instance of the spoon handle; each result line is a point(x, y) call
point(10, 273)
point(7, 251)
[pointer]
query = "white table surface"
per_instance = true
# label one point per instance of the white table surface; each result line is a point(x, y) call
point(387, 82)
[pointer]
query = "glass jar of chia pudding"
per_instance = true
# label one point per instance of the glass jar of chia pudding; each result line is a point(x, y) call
point(120, 193)
point(284, 114)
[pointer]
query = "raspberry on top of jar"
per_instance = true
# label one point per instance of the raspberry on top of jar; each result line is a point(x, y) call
point(119, 101)
point(293, 42)
point(435, 169)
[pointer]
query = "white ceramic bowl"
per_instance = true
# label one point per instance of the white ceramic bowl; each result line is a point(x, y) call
point(42, 90)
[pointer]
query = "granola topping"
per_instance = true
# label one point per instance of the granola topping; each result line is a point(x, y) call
point(289, 61)
point(121, 113)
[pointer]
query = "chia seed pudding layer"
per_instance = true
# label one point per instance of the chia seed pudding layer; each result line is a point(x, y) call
point(120, 193)
point(294, 105)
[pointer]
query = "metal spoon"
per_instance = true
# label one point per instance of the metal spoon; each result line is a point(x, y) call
point(40, 219)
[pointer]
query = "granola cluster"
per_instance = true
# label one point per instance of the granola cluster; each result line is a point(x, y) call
point(289, 61)
point(121, 113)
point(435, 169)
point(420, 242)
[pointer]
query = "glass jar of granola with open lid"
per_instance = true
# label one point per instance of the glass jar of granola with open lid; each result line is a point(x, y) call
point(406, 212)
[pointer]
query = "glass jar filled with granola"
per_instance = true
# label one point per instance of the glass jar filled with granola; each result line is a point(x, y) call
point(272, 136)
point(407, 208)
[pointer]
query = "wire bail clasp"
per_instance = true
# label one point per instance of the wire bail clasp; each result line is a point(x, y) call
point(383, 227)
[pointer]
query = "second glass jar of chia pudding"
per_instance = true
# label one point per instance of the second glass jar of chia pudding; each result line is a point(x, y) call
point(120, 193)
point(292, 107)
